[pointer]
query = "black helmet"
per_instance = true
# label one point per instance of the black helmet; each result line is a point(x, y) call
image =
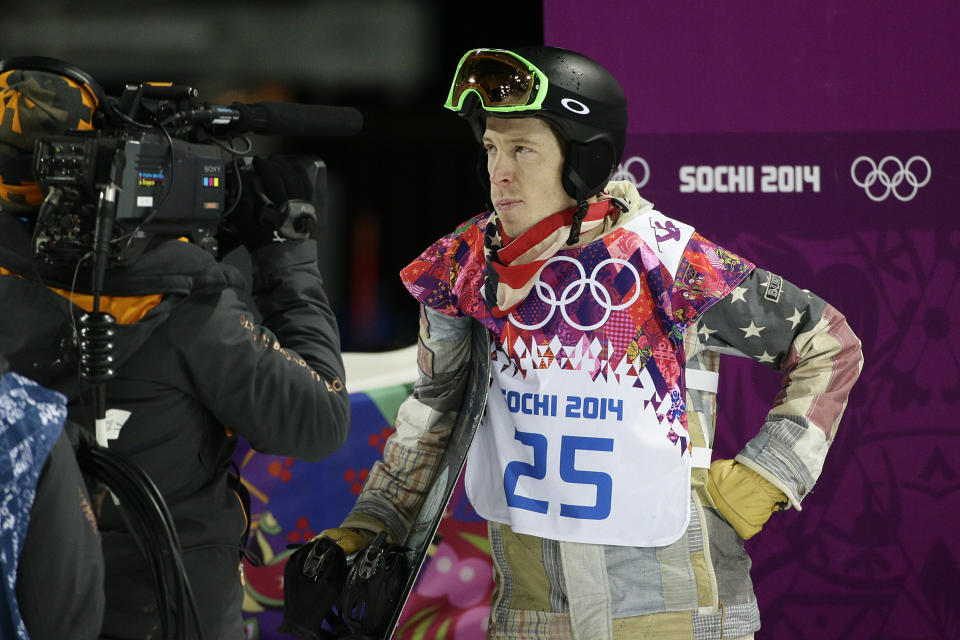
point(39, 97)
point(581, 99)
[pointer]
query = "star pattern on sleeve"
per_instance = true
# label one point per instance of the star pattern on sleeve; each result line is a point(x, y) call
point(795, 318)
point(765, 357)
point(705, 331)
point(752, 331)
point(738, 294)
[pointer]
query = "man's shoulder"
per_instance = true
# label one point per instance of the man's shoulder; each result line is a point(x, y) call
point(667, 238)
point(465, 239)
point(469, 228)
point(450, 268)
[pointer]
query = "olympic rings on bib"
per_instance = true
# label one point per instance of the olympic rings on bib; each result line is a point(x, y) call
point(891, 181)
point(573, 290)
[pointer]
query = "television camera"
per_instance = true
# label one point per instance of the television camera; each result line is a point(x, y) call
point(160, 161)
point(157, 162)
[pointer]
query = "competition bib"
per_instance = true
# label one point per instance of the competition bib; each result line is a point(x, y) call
point(562, 456)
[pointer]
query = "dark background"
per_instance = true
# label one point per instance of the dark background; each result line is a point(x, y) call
point(406, 179)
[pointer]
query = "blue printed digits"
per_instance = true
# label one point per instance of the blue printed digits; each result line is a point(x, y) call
point(569, 445)
point(517, 468)
point(593, 408)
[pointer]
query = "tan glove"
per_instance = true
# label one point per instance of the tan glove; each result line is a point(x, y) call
point(350, 540)
point(745, 499)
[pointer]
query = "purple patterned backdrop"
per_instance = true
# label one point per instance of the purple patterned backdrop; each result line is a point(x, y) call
point(822, 143)
point(748, 65)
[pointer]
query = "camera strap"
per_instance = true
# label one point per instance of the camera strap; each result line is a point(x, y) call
point(235, 483)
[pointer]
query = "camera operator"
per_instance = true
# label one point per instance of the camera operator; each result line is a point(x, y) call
point(194, 370)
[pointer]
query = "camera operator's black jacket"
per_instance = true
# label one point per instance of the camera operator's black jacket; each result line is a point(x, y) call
point(195, 370)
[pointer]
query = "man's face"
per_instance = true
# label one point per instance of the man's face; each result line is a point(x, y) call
point(525, 161)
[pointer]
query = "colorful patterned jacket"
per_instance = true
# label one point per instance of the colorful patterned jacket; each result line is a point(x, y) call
point(697, 587)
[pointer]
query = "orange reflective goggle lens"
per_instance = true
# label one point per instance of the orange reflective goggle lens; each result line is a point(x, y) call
point(502, 80)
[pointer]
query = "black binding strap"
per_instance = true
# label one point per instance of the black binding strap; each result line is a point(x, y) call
point(374, 586)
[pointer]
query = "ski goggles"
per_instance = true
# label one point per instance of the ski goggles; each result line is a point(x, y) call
point(502, 80)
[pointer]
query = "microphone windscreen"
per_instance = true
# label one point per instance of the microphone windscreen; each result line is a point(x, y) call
point(290, 118)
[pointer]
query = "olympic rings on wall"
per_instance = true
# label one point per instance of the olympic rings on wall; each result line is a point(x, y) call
point(623, 172)
point(880, 173)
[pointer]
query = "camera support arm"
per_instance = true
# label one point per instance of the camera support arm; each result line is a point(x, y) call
point(97, 329)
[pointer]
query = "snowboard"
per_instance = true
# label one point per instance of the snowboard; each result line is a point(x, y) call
point(448, 472)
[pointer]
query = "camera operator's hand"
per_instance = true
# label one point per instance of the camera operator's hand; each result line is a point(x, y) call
point(276, 204)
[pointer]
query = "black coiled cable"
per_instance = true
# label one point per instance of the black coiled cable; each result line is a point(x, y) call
point(97, 331)
point(151, 525)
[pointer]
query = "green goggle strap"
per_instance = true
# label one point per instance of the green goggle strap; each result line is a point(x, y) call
point(532, 106)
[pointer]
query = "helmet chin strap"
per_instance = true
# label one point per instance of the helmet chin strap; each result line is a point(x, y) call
point(580, 189)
